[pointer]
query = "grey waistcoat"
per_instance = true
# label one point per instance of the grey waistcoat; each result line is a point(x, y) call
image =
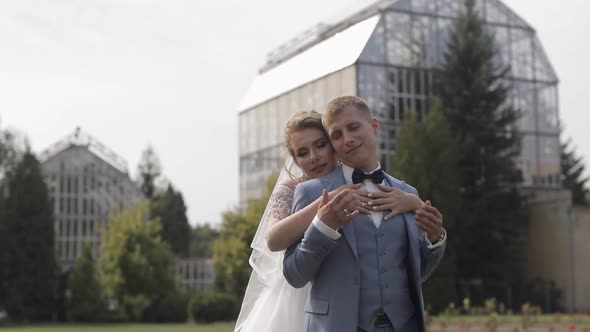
point(384, 285)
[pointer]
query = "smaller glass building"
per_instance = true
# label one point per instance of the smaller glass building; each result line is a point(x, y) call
point(86, 182)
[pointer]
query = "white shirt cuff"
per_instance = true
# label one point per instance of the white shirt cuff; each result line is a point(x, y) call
point(325, 229)
point(436, 245)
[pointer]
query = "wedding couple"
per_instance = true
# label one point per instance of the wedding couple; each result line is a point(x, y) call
point(357, 242)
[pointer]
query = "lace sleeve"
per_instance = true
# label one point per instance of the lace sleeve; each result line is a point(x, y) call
point(280, 203)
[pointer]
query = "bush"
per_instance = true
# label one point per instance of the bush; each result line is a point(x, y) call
point(213, 306)
point(171, 308)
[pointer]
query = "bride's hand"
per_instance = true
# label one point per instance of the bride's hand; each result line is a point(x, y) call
point(362, 194)
point(393, 199)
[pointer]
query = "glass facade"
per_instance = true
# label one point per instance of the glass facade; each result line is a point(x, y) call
point(398, 77)
point(261, 136)
point(84, 190)
point(394, 74)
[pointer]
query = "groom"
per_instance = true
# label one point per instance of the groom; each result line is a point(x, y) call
point(366, 271)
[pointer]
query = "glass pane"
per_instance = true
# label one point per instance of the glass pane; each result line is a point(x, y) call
point(254, 137)
point(319, 94)
point(372, 87)
point(450, 7)
point(294, 101)
point(528, 162)
point(399, 51)
point(424, 6)
point(523, 100)
point(274, 124)
point(496, 13)
point(444, 31)
point(502, 43)
point(349, 81)
point(547, 108)
point(401, 4)
point(549, 168)
point(522, 54)
point(542, 67)
point(374, 51)
point(242, 132)
point(283, 105)
point(306, 97)
point(334, 85)
point(424, 35)
point(513, 18)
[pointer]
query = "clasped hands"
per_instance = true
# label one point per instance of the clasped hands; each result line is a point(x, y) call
point(338, 207)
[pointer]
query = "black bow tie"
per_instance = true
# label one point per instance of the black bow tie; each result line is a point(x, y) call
point(359, 176)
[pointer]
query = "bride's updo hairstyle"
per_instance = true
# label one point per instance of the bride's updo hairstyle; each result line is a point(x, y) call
point(298, 122)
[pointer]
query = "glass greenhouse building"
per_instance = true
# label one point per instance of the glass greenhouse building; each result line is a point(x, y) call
point(385, 54)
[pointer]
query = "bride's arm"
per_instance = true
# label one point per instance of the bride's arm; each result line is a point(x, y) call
point(288, 229)
point(283, 233)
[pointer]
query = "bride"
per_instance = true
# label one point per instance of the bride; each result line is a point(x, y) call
point(270, 304)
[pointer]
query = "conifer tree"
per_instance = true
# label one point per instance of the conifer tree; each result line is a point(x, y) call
point(426, 157)
point(27, 253)
point(474, 97)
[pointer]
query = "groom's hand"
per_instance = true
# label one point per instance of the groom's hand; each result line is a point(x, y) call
point(339, 210)
point(430, 220)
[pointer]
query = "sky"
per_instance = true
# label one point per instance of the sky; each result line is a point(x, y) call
point(172, 73)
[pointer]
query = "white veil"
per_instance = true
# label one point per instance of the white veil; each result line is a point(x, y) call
point(269, 299)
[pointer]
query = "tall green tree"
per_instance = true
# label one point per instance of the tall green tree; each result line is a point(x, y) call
point(426, 157)
point(10, 151)
point(231, 250)
point(28, 266)
point(474, 97)
point(202, 239)
point(86, 302)
point(136, 266)
point(572, 173)
point(170, 208)
point(150, 170)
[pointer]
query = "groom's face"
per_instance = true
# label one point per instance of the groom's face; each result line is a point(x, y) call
point(353, 134)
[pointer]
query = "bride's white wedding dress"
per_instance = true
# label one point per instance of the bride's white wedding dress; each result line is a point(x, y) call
point(270, 303)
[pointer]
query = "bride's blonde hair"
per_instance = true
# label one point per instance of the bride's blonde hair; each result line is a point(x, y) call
point(296, 123)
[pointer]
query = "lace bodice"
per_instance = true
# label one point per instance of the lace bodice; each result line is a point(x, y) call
point(280, 202)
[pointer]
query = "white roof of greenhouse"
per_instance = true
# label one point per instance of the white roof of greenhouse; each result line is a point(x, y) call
point(80, 138)
point(330, 55)
point(338, 43)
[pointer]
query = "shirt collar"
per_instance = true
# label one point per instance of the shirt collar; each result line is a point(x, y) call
point(347, 171)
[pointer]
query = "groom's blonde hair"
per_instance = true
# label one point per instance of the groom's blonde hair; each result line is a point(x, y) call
point(337, 105)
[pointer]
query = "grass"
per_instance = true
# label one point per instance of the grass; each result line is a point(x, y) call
point(511, 323)
point(546, 319)
point(217, 327)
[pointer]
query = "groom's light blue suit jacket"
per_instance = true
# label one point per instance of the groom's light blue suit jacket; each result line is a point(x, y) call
point(332, 265)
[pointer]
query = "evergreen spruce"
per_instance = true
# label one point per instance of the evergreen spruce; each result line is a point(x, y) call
point(27, 254)
point(149, 170)
point(474, 97)
point(426, 157)
point(170, 208)
point(572, 174)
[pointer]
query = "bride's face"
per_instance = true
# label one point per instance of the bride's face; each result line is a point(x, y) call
point(313, 152)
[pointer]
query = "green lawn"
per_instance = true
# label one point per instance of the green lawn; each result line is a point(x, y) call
point(218, 327)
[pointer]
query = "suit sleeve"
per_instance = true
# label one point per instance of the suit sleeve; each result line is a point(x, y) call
point(429, 258)
point(303, 259)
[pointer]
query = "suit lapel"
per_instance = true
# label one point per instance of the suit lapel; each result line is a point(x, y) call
point(331, 182)
point(412, 229)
